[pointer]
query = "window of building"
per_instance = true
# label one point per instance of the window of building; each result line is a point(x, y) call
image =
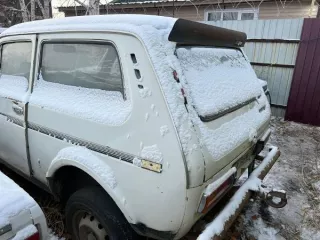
point(88, 65)
point(231, 14)
point(16, 59)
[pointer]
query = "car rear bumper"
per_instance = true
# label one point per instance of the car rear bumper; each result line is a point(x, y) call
point(232, 209)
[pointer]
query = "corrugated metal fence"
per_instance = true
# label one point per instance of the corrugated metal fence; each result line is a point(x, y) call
point(272, 48)
point(304, 99)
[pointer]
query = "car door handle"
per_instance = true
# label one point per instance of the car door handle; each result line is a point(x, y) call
point(17, 109)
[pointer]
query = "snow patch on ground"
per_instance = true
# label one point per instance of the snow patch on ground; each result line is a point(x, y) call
point(317, 186)
point(151, 153)
point(255, 226)
point(52, 236)
point(87, 158)
point(104, 107)
point(310, 234)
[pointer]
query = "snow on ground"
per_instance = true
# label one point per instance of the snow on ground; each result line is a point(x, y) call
point(52, 236)
point(297, 172)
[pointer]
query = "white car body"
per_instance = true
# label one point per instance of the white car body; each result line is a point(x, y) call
point(155, 175)
point(20, 215)
point(264, 85)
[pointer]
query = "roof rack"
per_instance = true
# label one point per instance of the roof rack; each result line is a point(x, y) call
point(185, 32)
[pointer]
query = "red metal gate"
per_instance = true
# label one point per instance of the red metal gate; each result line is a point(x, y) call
point(304, 99)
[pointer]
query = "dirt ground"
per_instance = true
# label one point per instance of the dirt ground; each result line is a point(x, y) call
point(297, 172)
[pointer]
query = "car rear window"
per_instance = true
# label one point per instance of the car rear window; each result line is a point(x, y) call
point(218, 78)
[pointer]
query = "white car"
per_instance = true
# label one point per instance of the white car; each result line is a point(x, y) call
point(21, 218)
point(132, 121)
point(264, 85)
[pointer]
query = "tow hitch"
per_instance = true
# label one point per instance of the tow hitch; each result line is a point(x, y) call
point(274, 198)
point(218, 227)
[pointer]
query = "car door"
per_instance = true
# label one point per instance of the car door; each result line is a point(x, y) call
point(17, 54)
point(77, 79)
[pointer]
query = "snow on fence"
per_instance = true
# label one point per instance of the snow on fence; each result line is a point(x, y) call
point(272, 48)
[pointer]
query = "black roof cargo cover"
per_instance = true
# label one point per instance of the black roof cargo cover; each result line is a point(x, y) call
point(185, 32)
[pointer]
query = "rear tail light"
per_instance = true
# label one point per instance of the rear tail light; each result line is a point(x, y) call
point(175, 76)
point(209, 201)
point(35, 236)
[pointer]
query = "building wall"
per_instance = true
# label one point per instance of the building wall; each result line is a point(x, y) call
point(267, 10)
point(295, 10)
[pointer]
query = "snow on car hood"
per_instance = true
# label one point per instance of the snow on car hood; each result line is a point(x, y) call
point(13, 200)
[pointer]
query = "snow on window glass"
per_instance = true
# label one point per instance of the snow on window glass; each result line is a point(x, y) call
point(218, 78)
point(88, 65)
point(106, 107)
point(82, 80)
point(15, 69)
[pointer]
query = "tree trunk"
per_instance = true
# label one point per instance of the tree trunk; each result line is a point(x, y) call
point(24, 11)
point(46, 6)
point(94, 7)
point(45, 9)
point(33, 10)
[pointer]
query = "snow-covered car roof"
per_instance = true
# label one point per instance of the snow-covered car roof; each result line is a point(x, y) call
point(120, 22)
point(178, 30)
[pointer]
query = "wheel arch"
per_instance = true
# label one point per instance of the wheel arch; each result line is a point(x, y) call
point(61, 178)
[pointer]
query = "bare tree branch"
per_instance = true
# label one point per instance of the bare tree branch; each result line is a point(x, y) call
point(24, 10)
point(44, 8)
point(10, 8)
point(33, 10)
point(81, 3)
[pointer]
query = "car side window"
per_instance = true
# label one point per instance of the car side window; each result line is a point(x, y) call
point(16, 59)
point(88, 65)
point(15, 69)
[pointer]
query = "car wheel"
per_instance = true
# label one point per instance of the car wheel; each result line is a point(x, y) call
point(92, 215)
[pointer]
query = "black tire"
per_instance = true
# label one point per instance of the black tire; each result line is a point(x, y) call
point(101, 207)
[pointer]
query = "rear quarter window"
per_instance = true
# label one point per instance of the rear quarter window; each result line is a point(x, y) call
point(83, 80)
point(88, 65)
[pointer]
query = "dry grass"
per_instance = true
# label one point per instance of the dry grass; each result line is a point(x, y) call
point(54, 215)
